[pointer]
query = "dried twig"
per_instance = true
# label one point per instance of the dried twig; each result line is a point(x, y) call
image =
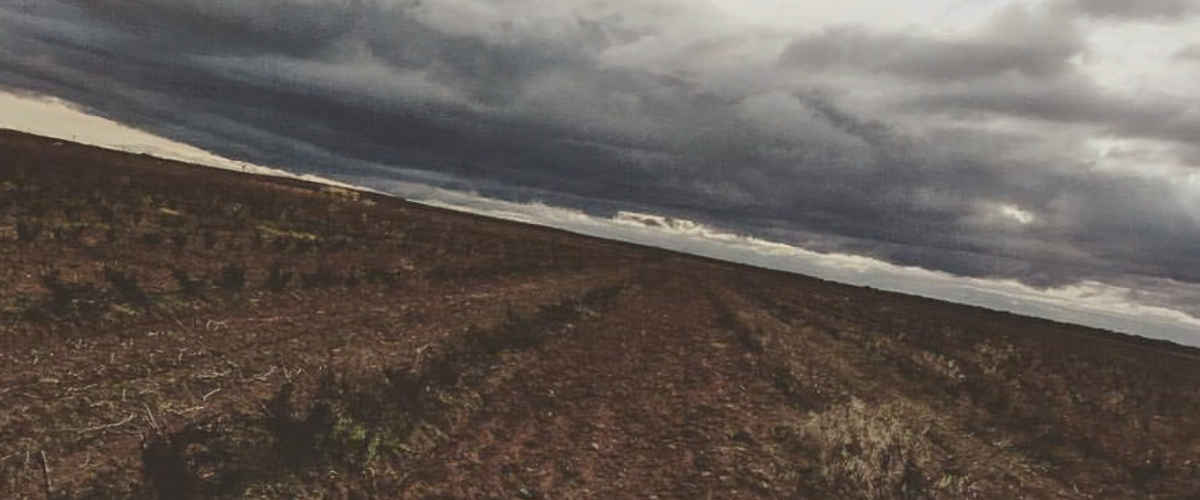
point(108, 426)
point(213, 374)
point(46, 476)
point(263, 376)
point(153, 423)
point(185, 410)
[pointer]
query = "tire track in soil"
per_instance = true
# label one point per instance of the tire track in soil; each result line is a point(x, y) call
point(425, 394)
point(788, 342)
point(654, 399)
point(249, 342)
point(247, 335)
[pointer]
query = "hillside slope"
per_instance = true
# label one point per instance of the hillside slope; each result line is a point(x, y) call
point(176, 332)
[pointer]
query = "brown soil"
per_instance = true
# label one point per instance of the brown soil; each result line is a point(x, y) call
point(176, 332)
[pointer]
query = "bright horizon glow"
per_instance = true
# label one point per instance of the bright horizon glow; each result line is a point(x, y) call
point(58, 119)
point(1087, 303)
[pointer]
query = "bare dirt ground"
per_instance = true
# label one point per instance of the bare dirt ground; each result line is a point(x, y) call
point(176, 332)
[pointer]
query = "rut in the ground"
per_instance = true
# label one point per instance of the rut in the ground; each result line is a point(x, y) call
point(354, 420)
point(654, 397)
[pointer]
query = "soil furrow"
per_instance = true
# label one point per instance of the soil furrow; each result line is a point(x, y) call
point(389, 416)
point(701, 429)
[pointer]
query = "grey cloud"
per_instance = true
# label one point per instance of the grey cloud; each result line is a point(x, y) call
point(1067, 101)
point(1033, 45)
point(1139, 9)
point(390, 90)
point(280, 26)
point(1189, 53)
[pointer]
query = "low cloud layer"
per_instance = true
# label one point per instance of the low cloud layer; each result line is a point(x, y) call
point(1011, 147)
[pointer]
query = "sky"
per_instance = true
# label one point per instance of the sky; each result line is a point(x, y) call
point(1049, 145)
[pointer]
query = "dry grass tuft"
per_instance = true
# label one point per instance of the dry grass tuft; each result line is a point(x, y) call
point(872, 451)
point(944, 367)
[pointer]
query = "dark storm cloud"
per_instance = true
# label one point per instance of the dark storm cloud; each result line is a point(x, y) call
point(1067, 101)
point(551, 111)
point(296, 28)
